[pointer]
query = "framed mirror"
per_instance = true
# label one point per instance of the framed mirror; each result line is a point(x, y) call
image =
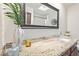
point(40, 15)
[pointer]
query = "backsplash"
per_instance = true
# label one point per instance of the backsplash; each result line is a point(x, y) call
point(36, 33)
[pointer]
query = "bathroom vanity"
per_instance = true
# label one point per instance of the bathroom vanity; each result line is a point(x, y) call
point(51, 47)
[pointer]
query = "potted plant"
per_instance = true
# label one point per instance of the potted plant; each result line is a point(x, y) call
point(16, 15)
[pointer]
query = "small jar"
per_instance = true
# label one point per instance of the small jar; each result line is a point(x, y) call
point(27, 43)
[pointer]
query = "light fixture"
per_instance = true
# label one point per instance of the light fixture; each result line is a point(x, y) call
point(43, 8)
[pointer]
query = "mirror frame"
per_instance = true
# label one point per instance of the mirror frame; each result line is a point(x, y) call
point(25, 26)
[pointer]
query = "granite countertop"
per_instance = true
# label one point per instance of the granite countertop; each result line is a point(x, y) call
point(0, 51)
point(49, 47)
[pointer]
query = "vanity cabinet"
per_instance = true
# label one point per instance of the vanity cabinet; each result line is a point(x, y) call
point(67, 53)
point(71, 51)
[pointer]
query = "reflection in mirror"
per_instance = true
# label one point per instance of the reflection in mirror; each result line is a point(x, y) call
point(40, 14)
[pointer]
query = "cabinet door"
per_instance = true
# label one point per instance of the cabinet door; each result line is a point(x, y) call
point(74, 53)
point(67, 53)
point(71, 52)
point(73, 48)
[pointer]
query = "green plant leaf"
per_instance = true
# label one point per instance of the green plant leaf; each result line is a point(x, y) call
point(15, 13)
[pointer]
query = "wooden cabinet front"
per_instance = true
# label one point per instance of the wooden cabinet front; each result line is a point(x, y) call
point(71, 52)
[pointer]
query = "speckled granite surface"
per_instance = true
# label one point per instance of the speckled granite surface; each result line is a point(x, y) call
point(0, 51)
point(49, 47)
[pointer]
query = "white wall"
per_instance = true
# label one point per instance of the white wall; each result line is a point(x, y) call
point(34, 33)
point(73, 20)
point(8, 29)
point(0, 28)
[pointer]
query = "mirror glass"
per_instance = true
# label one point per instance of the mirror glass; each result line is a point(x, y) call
point(40, 14)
